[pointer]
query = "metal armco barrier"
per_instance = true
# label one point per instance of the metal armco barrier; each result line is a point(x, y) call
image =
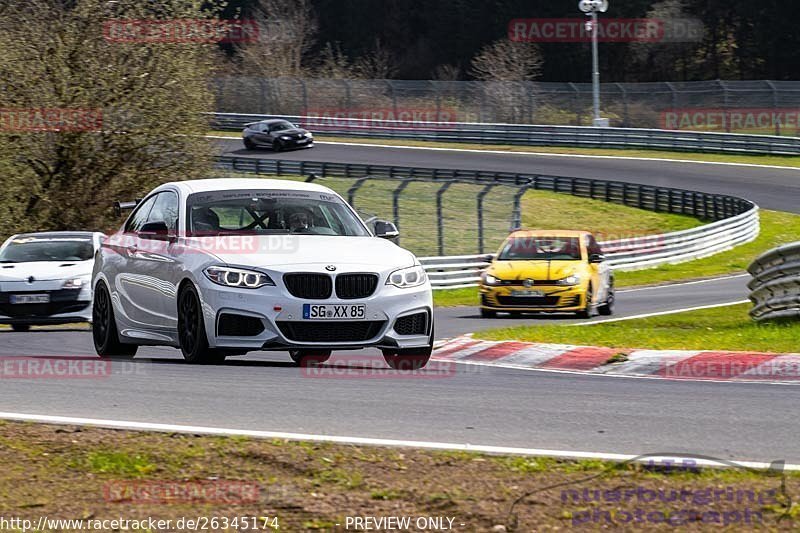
point(735, 220)
point(530, 135)
point(775, 287)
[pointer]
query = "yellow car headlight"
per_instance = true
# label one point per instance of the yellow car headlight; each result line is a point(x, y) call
point(488, 279)
point(569, 281)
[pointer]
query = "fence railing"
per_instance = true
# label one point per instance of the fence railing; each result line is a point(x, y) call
point(530, 135)
point(735, 220)
point(627, 105)
point(775, 287)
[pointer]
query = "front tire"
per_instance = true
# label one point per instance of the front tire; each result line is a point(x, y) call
point(192, 330)
point(607, 309)
point(21, 328)
point(249, 145)
point(410, 358)
point(587, 310)
point(306, 358)
point(104, 327)
point(277, 146)
point(487, 313)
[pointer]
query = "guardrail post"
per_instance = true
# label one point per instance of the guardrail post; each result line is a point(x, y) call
point(396, 203)
point(439, 217)
point(481, 196)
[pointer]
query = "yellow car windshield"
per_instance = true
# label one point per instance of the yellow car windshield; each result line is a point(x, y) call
point(541, 249)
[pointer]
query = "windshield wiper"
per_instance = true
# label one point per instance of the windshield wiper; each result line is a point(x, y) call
point(8, 261)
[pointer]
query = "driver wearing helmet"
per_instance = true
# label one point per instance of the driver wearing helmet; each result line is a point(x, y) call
point(298, 221)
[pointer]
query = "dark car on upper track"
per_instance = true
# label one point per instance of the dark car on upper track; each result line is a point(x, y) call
point(277, 134)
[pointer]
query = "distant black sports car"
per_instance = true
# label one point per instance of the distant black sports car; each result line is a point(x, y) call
point(277, 134)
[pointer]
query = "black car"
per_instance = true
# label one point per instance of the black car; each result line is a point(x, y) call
point(277, 134)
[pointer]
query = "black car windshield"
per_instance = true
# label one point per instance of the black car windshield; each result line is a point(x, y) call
point(541, 249)
point(30, 249)
point(266, 212)
point(280, 126)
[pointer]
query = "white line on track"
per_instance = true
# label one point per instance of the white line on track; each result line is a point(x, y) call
point(539, 154)
point(674, 285)
point(203, 430)
point(660, 313)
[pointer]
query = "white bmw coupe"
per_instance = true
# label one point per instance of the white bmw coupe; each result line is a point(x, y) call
point(223, 267)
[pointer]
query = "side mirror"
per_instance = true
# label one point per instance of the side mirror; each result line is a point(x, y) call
point(597, 258)
point(154, 230)
point(298, 126)
point(386, 230)
point(487, 258)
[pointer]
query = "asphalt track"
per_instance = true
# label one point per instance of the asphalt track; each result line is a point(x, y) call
point(469, 404)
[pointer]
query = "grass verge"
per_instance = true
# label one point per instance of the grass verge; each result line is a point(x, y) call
point(773, 160)
point(96, 474)
point(719, 328)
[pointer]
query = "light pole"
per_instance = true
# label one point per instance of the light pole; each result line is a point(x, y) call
point(592, 8)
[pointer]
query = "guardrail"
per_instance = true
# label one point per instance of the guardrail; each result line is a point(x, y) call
point(775, 287)
point(735, 220)
point(529, 135)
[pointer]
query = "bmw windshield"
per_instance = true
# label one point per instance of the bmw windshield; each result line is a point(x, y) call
point(271, 212)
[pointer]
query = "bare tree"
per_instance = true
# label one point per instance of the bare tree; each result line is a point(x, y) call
point(508, 67)
point(377, 65)
point(144, 100)
point(662, 59)
point(287, 32)
point(447, 73)
point(506, 60)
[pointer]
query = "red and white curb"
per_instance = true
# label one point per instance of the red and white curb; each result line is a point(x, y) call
point(663, 364)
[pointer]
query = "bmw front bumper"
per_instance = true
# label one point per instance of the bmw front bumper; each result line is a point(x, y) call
point(271, 318)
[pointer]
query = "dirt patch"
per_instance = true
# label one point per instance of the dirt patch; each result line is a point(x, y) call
point(65, 472)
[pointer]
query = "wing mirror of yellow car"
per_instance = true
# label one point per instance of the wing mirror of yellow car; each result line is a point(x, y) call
point(488, 258)
point(597, 258)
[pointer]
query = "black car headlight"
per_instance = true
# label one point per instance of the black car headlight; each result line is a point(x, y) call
point(238, 277)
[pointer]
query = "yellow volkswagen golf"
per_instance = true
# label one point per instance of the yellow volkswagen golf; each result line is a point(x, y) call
point(548, 271)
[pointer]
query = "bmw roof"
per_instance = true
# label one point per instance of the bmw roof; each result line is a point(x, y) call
point(225, 184)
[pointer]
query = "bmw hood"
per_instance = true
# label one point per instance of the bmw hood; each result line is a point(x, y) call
point(294, 250)
point(45, 270)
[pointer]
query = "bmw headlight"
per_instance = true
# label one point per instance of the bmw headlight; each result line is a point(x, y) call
point(75, 283)
point(286, 138)
point(488, 279)
point(310, 135)
point(238, 277)
point(408, 277)
point(569, 280)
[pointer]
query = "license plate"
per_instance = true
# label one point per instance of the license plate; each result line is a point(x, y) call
point(30, 298)
point(334, 312)
point(529, 294)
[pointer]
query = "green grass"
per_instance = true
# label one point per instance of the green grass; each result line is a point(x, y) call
point(720, 328)
point(786, 161)
point(541, 209)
